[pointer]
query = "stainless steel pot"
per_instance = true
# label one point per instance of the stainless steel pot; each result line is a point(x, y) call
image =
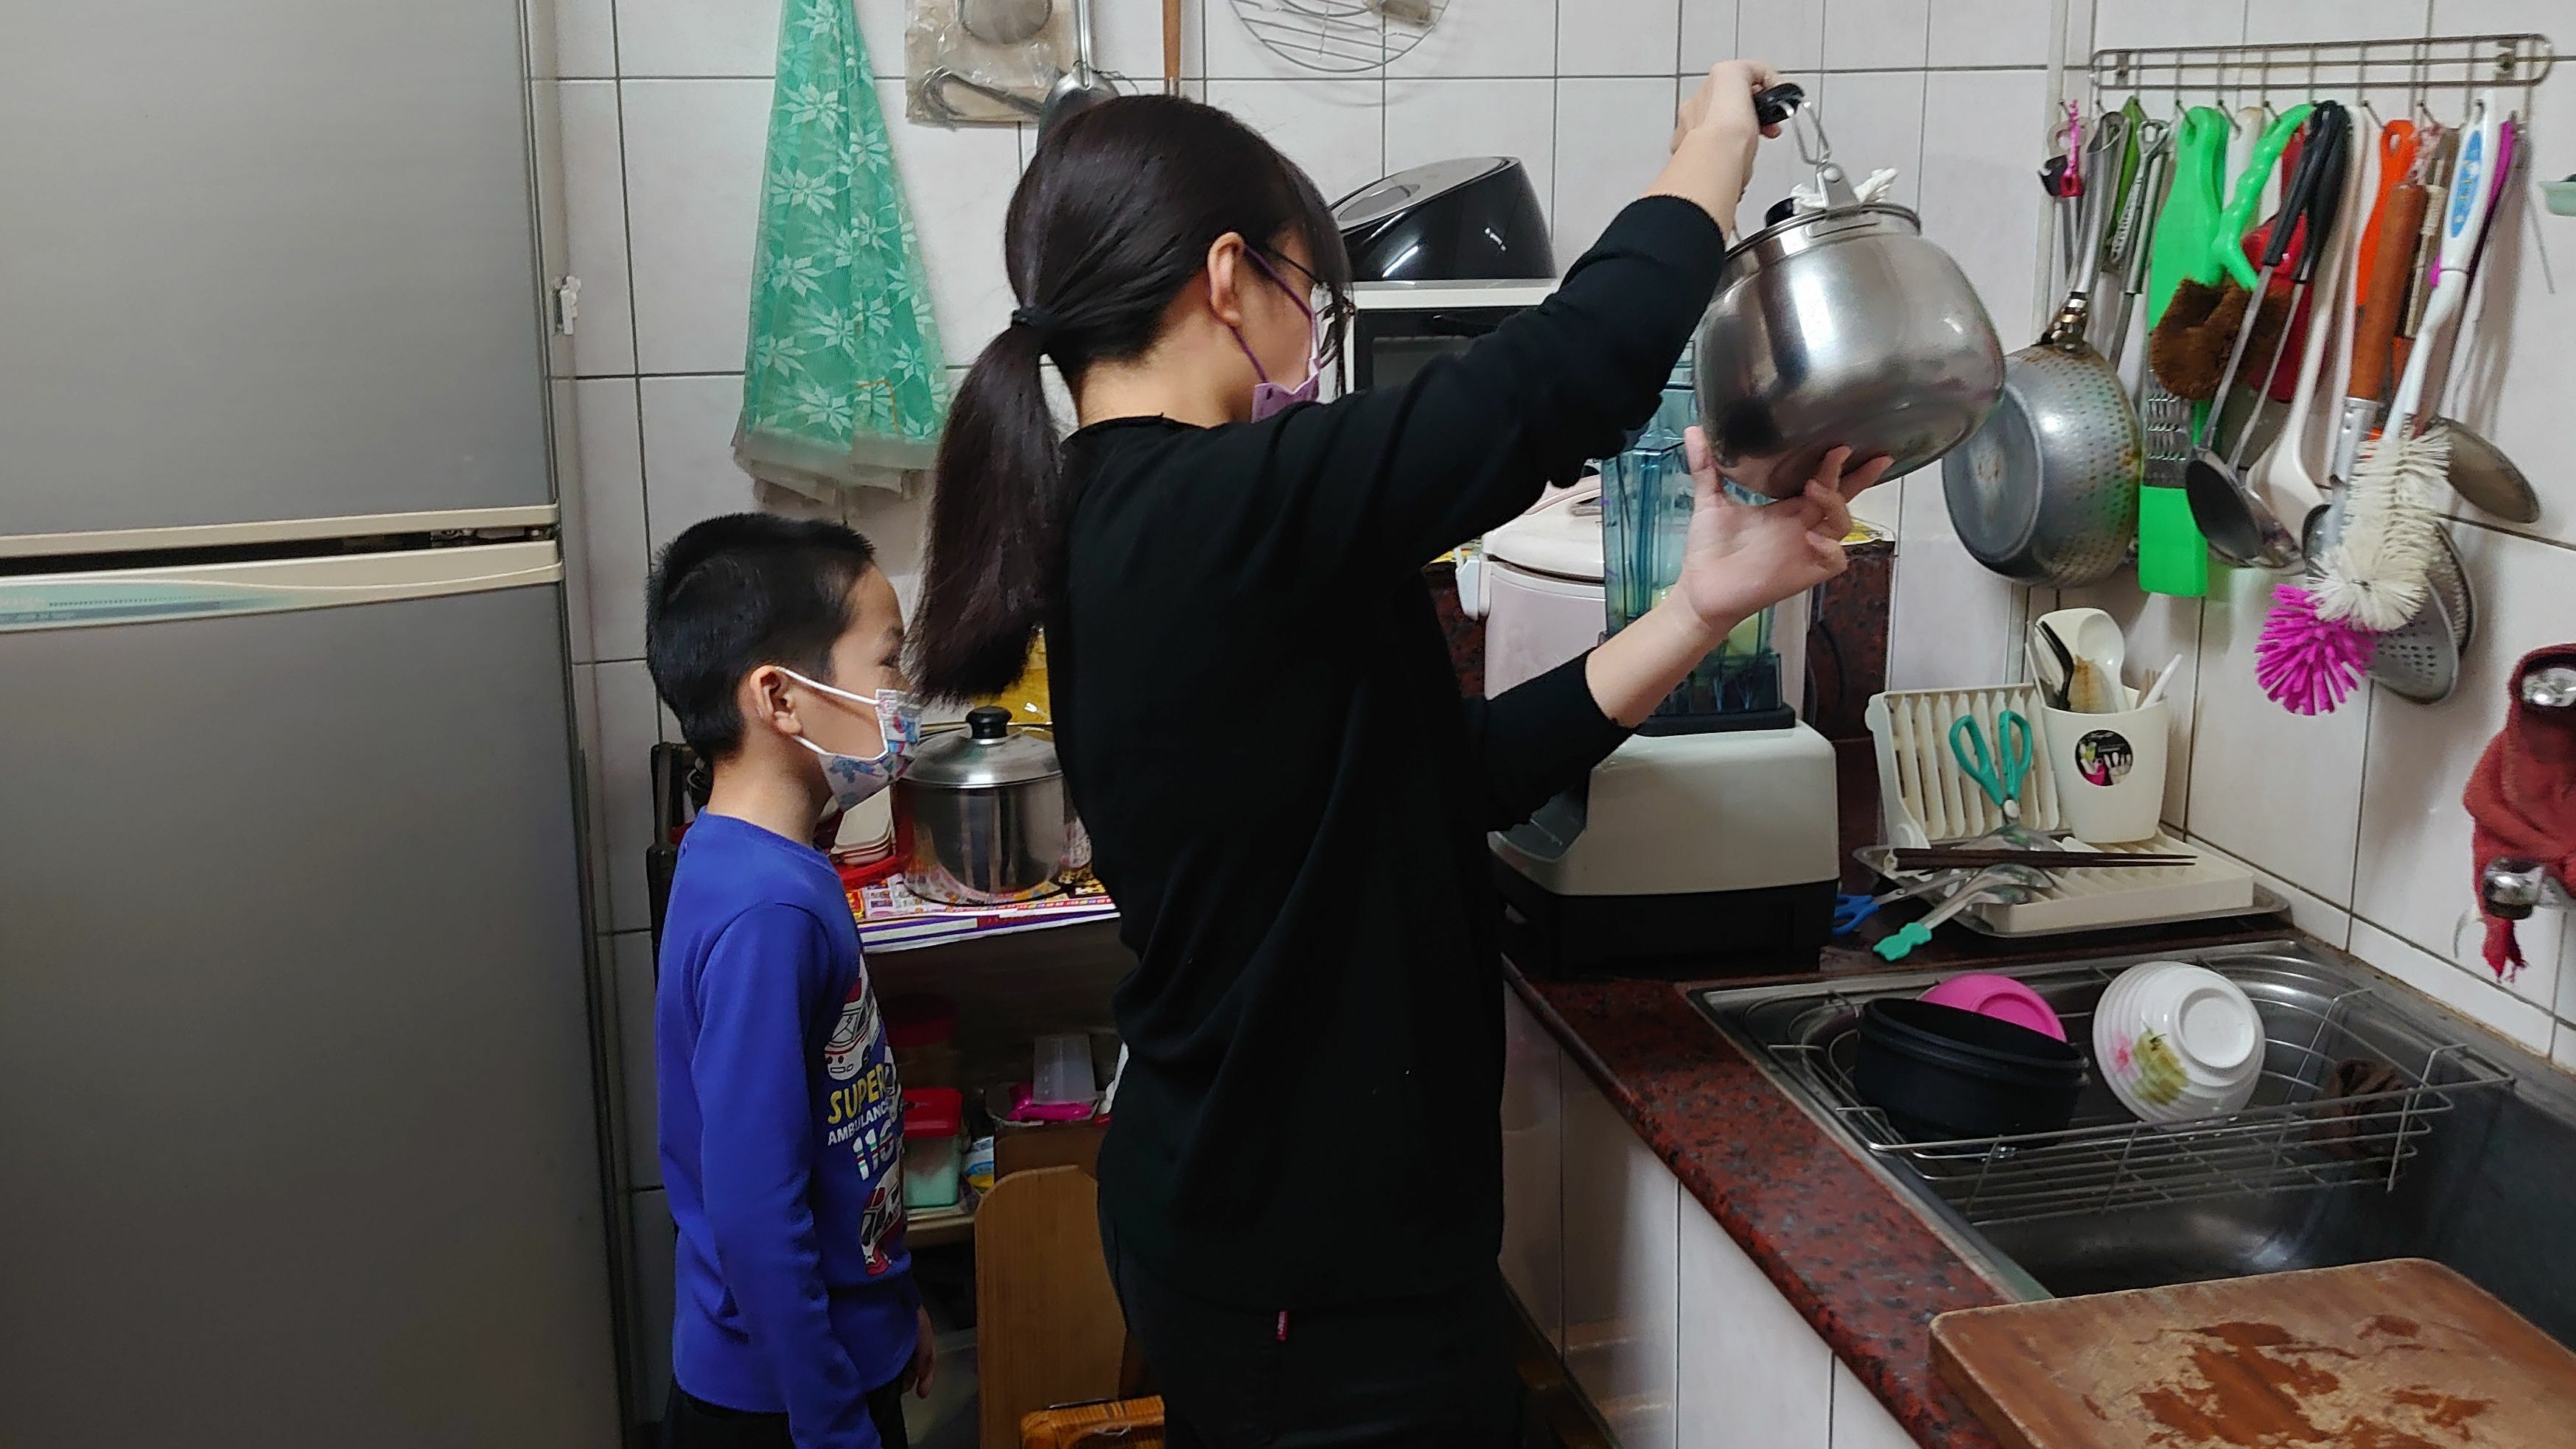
point(1838, 328)
point(982, 817)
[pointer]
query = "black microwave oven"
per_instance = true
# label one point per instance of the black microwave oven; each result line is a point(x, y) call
point(1396, 327)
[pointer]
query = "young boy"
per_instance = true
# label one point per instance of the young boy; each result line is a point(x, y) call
point(775, 642)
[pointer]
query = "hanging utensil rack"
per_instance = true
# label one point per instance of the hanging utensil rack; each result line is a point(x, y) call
point(2419, 66)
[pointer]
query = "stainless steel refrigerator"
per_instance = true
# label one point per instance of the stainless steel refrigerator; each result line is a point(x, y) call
point(298, 1135)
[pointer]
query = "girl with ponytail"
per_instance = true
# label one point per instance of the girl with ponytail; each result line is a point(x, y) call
point(1300, 1194)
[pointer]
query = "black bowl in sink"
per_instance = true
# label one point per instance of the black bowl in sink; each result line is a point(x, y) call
point(1941, 1071)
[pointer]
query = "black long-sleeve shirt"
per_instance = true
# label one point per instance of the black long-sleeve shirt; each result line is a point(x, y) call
point(1287, 796)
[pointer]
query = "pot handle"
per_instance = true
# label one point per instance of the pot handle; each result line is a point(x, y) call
point(1775, 106)
point(1786, 104)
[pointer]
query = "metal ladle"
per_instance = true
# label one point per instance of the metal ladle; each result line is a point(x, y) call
point(1080, 88)
point(2239, 524)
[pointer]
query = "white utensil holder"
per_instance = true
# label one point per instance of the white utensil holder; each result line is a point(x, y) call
point(2113, 771)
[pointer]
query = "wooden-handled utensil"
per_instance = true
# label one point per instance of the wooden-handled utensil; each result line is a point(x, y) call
point(2382, 297)
point(2396, 167)
point(2436, 166)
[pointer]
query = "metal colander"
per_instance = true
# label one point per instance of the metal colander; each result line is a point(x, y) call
point(2420, 659)
point(2046, 491)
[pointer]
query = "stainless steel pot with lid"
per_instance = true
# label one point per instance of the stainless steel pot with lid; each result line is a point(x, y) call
point(982, 816)
point(1840, 328)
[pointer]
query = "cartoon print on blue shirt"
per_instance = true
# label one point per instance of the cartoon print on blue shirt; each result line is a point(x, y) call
point(867, 1113)
point(882, 1225)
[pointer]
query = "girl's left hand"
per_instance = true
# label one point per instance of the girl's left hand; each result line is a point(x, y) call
point(1739, 559)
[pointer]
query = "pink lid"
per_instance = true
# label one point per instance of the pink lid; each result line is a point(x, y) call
point(1023, 1109)
point(2000, 997)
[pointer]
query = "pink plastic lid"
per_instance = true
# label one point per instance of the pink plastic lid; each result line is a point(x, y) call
point(2000, 997)
point(1025, 1110)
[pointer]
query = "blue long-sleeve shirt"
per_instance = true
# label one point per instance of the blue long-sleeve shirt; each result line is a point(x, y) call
point(782, 1140)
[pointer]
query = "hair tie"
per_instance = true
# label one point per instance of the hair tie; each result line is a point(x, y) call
point(1038, 320)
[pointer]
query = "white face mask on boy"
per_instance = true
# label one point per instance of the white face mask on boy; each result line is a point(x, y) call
point(857, 778)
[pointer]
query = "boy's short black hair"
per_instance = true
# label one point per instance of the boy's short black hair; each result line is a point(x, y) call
point(739, 591)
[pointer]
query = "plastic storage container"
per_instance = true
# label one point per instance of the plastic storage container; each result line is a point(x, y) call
point(934, 1121)
point(922, 1029)
point(1064, 1074)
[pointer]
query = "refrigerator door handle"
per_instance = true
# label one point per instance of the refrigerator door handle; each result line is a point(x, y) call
point(266, 586)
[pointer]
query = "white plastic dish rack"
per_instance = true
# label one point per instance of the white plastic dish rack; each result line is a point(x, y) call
point(1926, 799)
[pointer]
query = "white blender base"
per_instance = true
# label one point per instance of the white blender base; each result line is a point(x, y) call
point(1688, 815)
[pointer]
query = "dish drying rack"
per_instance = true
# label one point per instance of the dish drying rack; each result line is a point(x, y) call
point(2293, 1138)
point(1926, 799)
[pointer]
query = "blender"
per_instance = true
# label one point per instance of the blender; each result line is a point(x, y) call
point(1707, 843)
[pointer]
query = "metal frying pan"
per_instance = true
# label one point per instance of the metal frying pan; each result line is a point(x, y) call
point(2046, 490)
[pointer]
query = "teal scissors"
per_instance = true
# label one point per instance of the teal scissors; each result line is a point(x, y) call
point(2001, 772)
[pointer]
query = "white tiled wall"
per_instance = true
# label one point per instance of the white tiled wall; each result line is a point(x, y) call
point(2356, 815)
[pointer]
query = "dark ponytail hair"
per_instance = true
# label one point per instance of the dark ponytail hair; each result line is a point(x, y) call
point(1113, 217)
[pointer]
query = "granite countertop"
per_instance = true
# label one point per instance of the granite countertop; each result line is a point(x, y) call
point(1849, 1253)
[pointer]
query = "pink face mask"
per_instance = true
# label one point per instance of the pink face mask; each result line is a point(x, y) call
point(1268, 397)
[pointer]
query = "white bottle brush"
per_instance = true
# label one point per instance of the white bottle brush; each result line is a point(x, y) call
point(2375, 575)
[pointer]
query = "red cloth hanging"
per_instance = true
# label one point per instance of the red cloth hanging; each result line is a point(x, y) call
point(2522, 796)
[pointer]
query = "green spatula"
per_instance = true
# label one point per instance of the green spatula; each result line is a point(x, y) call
point(2173, 557)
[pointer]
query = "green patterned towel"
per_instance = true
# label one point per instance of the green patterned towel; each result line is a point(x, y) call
point(844, 382)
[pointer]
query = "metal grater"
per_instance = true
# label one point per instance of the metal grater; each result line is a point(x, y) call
point(2168, 420)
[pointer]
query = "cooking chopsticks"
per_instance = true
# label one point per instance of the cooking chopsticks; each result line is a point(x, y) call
point(1961, 858)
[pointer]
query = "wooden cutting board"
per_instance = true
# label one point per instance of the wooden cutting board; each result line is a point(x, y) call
point(2404, 1354)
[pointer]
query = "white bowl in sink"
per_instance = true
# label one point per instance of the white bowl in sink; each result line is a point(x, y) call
point(2177, 1041)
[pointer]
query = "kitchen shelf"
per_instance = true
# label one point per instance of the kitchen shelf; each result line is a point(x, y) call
point(891, 918)
point(938, 1227)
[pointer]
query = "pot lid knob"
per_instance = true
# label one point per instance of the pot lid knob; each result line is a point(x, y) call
point(988, 722)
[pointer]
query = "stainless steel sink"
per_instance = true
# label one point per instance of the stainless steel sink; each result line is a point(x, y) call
point(2454, 1145)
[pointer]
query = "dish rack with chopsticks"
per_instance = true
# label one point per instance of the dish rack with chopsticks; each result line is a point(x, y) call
point(2349, 1096)
point(1926, 799)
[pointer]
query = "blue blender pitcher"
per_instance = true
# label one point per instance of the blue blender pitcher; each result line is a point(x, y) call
point(1646, 496)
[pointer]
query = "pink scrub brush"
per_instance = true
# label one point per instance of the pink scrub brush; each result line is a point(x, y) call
point(2306, 663)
